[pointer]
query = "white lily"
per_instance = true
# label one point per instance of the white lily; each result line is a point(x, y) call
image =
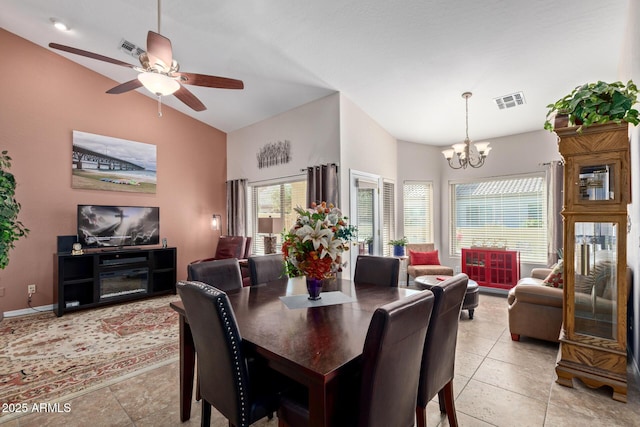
point(333, 249)
point(318, 235)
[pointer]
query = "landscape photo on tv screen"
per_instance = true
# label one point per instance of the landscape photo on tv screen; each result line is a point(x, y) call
point(100, 226)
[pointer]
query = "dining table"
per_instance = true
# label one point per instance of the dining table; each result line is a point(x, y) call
point(315, 343)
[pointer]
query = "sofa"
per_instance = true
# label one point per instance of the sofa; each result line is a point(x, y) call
point(535, 310)
point(433, 269)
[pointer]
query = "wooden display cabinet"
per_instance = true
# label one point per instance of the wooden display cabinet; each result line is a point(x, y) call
point(495, 268)
point(593, 340)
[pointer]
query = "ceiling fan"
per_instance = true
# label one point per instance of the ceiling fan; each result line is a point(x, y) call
point(159, 72)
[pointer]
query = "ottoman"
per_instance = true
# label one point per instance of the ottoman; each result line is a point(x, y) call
point(471, 297)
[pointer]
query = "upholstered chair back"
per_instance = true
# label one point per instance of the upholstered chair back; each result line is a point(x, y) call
point(377, 270)
point(391, 361)
point(230, 247)
point(222, 369)
point(438, 359)
point(266, 268)
point(223, 274)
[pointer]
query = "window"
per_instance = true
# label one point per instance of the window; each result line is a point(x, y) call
point(418, 212)
point(501, 211)
point(388, 216)
point(278, 201)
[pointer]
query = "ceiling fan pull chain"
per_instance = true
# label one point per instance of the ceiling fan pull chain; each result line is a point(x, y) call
point(159, 105)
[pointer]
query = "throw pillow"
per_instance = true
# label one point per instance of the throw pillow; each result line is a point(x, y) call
point(424, 258)
point(602, 278)
point(554, 279)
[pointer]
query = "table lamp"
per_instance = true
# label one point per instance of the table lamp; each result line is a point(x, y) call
point(269, 226)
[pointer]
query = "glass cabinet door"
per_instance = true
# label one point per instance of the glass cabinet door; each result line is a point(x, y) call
point(596, 281)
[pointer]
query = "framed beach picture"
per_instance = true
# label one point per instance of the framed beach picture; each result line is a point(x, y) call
point(112, 164)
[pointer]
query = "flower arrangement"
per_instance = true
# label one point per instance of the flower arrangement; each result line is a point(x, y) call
point(314, 246)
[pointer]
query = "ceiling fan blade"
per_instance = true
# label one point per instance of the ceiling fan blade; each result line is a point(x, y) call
point(184, 95)
point(89, 54)
point(125, 87)
point(158, 46)
point(210, 81)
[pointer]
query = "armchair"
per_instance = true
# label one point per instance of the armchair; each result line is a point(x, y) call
point(233, 247)
point(417, 267)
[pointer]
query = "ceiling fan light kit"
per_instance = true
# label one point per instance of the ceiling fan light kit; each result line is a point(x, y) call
point(158, 84)
point(466, 153)
point(158, 71)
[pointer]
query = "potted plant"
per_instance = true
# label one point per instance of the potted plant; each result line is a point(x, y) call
point(595, 103)
point(369, 242)
point(11, 229)
point(398, 246)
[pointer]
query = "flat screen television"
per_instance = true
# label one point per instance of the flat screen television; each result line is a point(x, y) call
point(118, 226)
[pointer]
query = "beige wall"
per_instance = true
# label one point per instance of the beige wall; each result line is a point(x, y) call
point(44, 98)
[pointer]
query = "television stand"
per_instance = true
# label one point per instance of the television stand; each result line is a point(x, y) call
point(111, 276)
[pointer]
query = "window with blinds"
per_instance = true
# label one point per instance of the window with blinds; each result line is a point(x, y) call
point(278, 201)
point(507, 212)
point(418, 212)
point(388, 216)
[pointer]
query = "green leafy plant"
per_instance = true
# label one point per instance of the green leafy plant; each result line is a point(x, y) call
point(597, 103)
point(399, 242)
point(11, 229)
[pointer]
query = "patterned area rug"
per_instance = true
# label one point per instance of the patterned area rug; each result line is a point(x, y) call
point(44, 358)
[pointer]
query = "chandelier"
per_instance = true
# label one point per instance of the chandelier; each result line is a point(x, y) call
point(465, 153)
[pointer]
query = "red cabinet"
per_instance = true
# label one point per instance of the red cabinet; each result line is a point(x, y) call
point(495, 268)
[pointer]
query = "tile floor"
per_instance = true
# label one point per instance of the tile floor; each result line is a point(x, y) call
point(498, 383)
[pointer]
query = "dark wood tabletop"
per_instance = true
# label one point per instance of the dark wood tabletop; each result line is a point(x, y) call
point(313, 346)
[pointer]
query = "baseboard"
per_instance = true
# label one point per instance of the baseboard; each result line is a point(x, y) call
point(24, 311)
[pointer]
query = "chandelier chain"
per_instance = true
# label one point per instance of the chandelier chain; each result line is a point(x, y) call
point(461, 155)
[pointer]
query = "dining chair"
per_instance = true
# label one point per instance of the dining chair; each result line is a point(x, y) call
point(388, 380)
point(439, 355)
point(223, 274)
point(266, 268)
point(377, 270)
point(237, 386)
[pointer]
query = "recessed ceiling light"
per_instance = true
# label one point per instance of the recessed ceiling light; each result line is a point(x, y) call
point(59, 25)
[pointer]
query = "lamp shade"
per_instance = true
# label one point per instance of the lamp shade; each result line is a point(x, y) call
point(270, 225)
point(216, 222)
point(448, 154)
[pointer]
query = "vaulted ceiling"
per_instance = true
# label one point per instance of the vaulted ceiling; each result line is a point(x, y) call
point(404, 62)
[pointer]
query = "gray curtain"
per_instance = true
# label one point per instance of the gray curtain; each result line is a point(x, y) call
point(555, 196)
point(322, 184)
point(236, 207)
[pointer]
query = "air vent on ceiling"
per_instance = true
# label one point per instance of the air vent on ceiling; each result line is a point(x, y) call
point(130, 48)
point(510, 101)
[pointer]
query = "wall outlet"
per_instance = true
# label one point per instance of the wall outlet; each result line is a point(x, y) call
point(31, 289)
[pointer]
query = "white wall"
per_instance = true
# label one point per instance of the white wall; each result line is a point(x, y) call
point(630, 69)
point(314, 132)
point(364, 147)
point(510, 155)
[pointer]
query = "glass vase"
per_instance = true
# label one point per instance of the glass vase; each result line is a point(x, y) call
point(314, 287)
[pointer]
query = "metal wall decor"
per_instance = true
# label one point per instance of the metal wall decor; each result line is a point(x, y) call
point(274, 153)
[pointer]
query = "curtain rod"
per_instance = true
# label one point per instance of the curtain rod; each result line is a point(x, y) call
point(305, 169)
